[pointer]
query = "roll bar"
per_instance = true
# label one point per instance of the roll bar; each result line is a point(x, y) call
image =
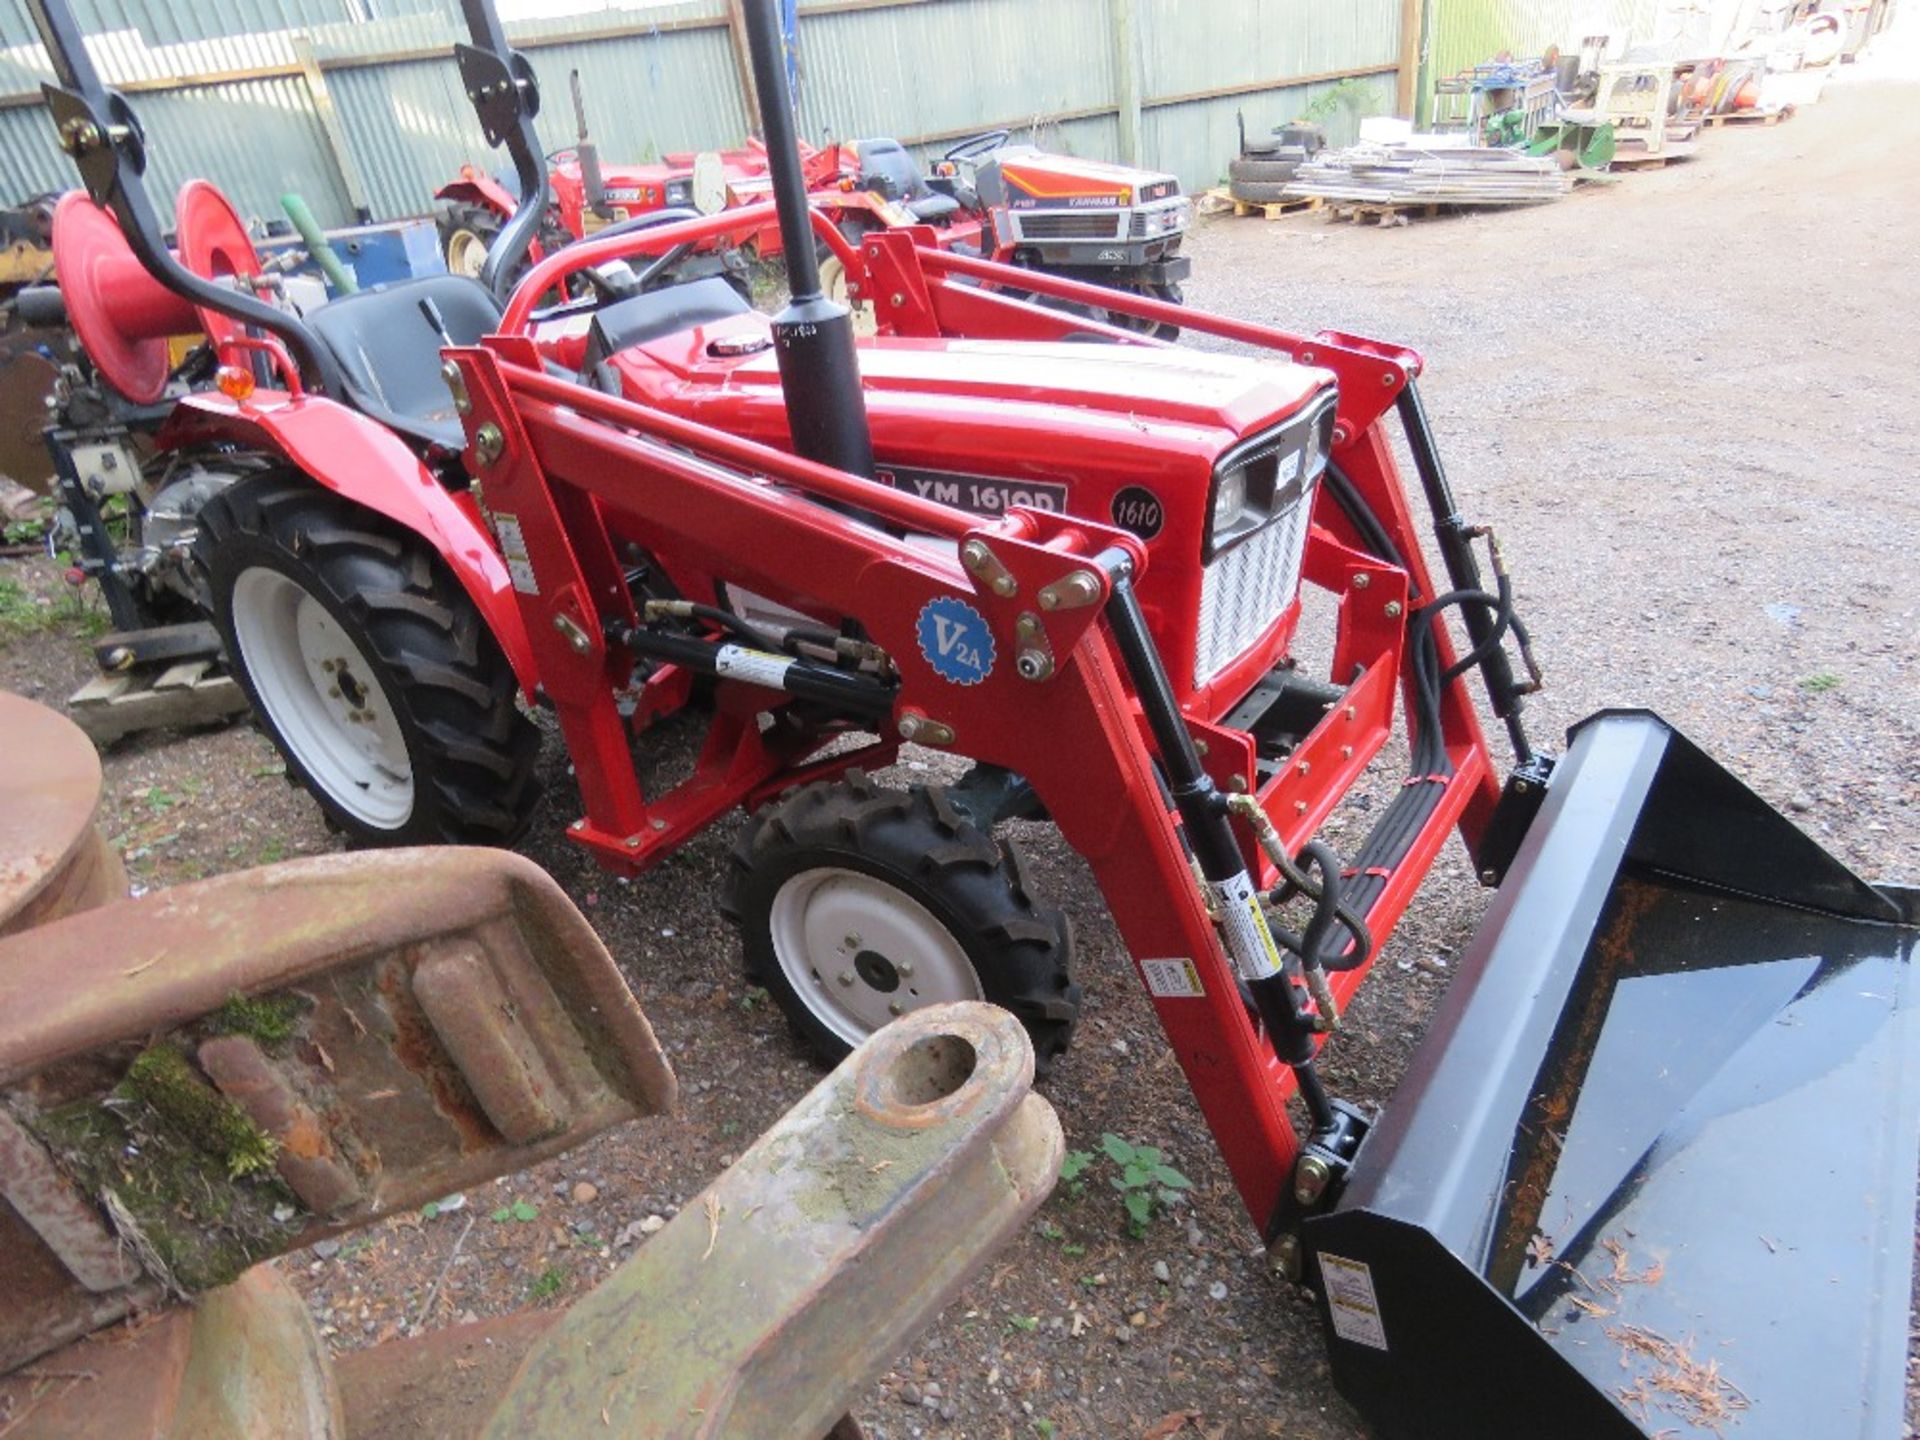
point(506, 96)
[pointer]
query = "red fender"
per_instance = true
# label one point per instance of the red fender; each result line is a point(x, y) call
point(362, 461)
point(477, 188)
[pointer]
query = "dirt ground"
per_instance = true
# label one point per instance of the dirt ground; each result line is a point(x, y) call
point(1688, 402)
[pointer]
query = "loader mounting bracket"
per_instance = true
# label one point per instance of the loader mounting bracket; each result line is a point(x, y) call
point(1520, 800)
point(1319, 1175)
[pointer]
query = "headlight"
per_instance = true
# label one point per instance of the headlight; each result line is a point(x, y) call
point(1165, 222)
point(680, 192)
point(1263, 477)
point(1229, 499)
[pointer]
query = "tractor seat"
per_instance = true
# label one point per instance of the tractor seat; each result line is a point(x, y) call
point(890, 172)
point(390, 354)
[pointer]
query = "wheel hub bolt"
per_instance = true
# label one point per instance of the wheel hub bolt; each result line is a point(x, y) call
point(905, 967)
point(846, 977)
point(896, 1008)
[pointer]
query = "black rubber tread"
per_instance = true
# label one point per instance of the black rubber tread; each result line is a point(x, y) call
point(1255, 193)
point(1020, 947)
point(1259, 172)
point(482, 220)
point(475, 756)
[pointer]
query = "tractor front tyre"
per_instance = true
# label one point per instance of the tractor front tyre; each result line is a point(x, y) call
point(368, 666)
point(857, 903)
point(1173, 295)
point(467, 233)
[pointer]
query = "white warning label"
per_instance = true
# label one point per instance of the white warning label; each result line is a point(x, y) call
point(755, 667)
point(513, 549)
point(1351, 1302)
point(1173, 979)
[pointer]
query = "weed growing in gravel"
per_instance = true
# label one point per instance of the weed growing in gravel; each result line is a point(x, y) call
point(548, 1284)
point(20, 613)
point(1147, 1184)
point(520, 1210)
point(1821, 683)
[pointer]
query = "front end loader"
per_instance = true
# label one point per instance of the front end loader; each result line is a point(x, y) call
point(1073, 555)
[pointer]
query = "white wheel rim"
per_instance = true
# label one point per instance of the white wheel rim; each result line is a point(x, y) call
point(833, 284)
point(323, 698)
point(466, 254)
point(859, 951)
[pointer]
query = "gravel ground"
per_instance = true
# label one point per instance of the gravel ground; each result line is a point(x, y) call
point(1683, 402)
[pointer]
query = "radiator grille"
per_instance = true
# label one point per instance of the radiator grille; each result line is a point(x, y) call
point(1244, 590)
point(1093, 226)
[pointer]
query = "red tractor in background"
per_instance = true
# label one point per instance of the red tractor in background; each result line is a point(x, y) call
point(1073, 555)
point(1107, 224)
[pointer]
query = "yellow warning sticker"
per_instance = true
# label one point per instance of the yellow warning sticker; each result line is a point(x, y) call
point(1265, 932)
point(1351, 1303)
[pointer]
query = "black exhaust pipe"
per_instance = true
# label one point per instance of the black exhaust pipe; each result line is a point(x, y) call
point(588, 153)
point(813, 336)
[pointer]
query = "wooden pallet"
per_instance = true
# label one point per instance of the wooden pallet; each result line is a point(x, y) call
point(110, 706)
point(1222, 202)
point(1747, 117)
point(1676, 151)
point(1360, 212)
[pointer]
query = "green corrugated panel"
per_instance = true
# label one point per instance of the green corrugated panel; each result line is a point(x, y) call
point(1465, 33)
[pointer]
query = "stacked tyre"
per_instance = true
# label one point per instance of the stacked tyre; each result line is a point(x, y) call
point(1267, 164)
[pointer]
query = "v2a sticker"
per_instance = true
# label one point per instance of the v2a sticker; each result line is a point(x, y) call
point(956, 640)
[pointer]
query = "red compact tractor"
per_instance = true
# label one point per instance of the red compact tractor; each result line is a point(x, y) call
point(1110, 225)
point(1074, 555)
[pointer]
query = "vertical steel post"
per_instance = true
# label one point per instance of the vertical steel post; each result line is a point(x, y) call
point(813, 336)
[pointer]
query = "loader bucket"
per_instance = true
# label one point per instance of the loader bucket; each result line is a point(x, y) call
point(1652, 1171)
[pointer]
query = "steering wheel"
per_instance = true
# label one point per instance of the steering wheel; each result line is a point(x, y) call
point(604, 292)
point(978, 145)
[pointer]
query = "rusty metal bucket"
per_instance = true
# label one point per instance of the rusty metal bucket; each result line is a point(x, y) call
point(1652, 1171)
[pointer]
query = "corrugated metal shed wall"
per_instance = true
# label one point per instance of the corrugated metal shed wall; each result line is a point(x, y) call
point(665, 79)
point(1465, 33)
point(946, 67)
point(1200, 51)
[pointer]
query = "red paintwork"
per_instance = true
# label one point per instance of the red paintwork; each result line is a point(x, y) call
point(214, 244)
point(362, 461)
point(122, 315)
point(580, 467)
point(947, 388)
point(943, 383)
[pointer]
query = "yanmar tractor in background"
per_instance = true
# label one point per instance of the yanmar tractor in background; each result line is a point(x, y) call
point(1111, 225)
point(1680, 1051)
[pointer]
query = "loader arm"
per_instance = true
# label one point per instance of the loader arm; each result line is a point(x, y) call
point(563, 463)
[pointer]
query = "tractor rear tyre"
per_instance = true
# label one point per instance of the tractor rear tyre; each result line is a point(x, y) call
point(857, 903)
point(467, 232)
point(368, 666)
